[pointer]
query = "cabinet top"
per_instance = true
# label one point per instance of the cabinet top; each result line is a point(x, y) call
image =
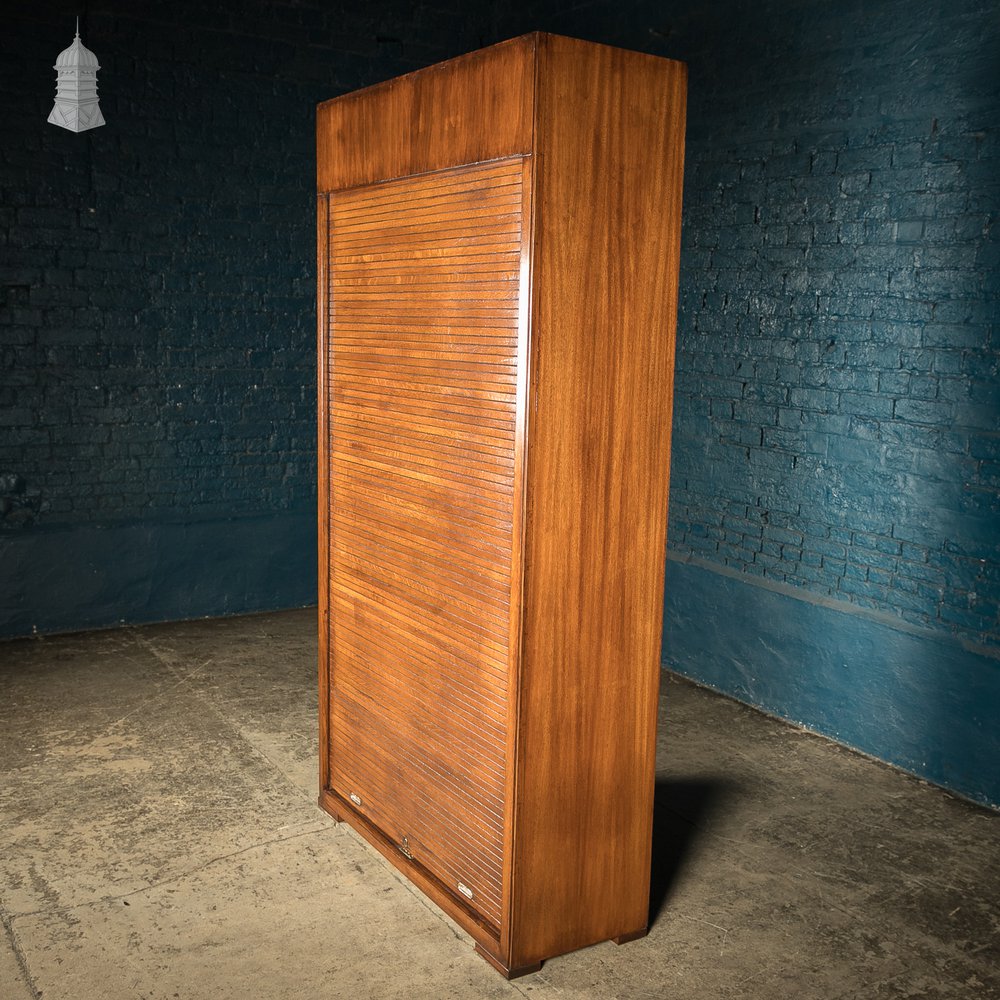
point(479, 106)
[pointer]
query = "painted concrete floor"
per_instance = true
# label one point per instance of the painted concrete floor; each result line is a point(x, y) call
point(159, 838)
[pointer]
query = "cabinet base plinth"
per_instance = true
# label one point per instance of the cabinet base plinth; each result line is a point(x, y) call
point(327, 806)
point(632, 936)
point(523, 970)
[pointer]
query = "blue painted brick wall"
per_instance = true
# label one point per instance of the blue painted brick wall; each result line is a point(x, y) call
point(157, 282)
point(837, 357)
point(837, 416)
point(834, 541)
point(839, 314)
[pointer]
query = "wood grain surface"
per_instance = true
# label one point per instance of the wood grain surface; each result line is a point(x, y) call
point(471, 109)
point(424, 286)
point(607, 192)
point(323, 477)
point(499, 240)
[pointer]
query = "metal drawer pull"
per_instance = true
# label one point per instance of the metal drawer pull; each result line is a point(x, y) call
point(465, 890)
point(356, 799)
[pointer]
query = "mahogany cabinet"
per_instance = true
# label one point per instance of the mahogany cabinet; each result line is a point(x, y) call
point(498, 255)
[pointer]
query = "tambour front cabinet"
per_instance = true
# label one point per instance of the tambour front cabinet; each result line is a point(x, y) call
point(498, 257)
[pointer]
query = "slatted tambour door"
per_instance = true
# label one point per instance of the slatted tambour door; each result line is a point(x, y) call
point(424, 304)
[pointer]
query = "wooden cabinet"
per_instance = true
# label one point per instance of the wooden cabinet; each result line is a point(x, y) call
point(498, 249)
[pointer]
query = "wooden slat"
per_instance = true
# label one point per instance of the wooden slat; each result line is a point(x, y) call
point(385, 484)
point(425, 680)
point(431, 189)
point(444, 462)
point(411, 521)
point(464, 658)
point(458, 491)
point(436, 838)
point(397, 493)
point(454, 371)
point(472, 789)
point(466, 418)
point(421, 673)
point(476, 259)
point(490, 450)
point(460, 614)
point(440, 196)
point(452, 638)
point(424, 305)
point(482, 565)
point(487, 216)
point(385, 546)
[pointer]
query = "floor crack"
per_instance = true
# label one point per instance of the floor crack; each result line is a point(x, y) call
point(206, 701)
point(319, 826)
point(22, 960)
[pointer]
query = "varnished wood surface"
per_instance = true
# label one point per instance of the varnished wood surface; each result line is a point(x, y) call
point(497, 420)
point(424, 278)
point(608, 198)
point(323, 481)
point(505, 970)
point(471, 109)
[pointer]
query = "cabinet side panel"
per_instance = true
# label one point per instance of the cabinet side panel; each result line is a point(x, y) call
point(470, 109)
point(609, 161)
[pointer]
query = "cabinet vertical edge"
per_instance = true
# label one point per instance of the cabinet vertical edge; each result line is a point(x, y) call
point(521, 439)
point(671, 301)
point(323, 479)
point(608, 154)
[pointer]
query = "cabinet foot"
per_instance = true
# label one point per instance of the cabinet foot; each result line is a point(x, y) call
point(326, 804)
point(632, 936)
point(523, 970)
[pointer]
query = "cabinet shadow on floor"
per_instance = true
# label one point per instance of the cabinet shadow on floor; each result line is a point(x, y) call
point(680, 807)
